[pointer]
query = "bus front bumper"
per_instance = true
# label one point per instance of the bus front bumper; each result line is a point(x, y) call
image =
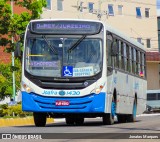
point(87, 104)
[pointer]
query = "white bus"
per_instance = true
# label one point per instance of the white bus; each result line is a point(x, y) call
point(76, 69)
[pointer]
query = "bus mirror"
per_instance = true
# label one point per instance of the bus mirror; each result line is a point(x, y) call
point(17, 52)
point(114, 48)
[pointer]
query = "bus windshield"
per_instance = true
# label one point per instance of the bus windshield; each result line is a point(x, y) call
point(63, 57)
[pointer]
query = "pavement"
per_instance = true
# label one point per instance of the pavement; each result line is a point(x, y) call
point(59, 120)
point(29, 120)
point(5, 122)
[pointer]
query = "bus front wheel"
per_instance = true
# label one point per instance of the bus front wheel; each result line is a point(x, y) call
point(108, 118)
point(39, 119)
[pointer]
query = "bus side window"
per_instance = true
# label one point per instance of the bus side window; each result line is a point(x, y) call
point(108, 53)
point(137, 62)
point(143, 65)
point(134, 61)
point(125, 56)
point(122, 56)
point(130, 59)
point(119, 54)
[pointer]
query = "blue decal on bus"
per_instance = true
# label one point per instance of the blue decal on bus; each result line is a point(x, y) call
point(61, 93)
point(67, 71)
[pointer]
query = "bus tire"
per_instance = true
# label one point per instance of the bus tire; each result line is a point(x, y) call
point(121, 118)
point(132, 117)
point(69, 120)
point(79, 121)
point(39, 119)
point(108, 118)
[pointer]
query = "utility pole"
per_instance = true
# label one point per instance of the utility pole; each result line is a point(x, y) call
point(100, 12)
point(13, 73)
point(97, 12)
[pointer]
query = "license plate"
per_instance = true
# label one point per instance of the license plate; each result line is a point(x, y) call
point(62, 103)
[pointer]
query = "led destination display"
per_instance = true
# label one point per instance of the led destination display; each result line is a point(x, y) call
point(65, 27)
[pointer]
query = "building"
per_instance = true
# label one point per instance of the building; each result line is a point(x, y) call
point(6, 57)
point(137, 19)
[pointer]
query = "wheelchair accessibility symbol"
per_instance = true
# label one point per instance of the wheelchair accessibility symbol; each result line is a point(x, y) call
point(67, 71)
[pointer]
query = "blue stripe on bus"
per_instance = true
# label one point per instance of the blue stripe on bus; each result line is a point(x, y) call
point(89, 104)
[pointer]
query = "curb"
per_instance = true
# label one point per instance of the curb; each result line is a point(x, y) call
point(20, 121)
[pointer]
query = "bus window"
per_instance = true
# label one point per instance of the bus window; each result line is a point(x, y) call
point(109, 58)
point(119, 54)
point(130, 59)
point(134, 61)
point(122, 56)
point(125, 56)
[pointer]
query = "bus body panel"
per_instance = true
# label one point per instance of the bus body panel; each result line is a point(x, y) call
point(126, 92)
point(89, 104)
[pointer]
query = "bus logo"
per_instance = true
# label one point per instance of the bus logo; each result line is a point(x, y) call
point(62, 93)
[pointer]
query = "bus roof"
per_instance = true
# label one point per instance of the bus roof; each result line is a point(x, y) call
point(108, 28)
point(124, 36)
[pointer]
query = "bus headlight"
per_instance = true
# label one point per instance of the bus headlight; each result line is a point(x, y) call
point(98, 89)
point(27, 88)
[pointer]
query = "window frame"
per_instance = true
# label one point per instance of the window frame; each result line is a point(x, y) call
point(148, 43)
point(92, 5)
point(147, 12)
point(138, 12)
point(59, 2)
point(120, 9)
point(139, 39)
point(50, 6)
point(110, 13)
point(81, 6)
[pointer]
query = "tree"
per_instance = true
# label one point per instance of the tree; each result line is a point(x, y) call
point(12, 25)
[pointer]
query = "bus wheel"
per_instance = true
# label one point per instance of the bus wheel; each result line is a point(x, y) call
point(69, 120)
point(121, 118)
point(132, 117)
point(39, 119)
point(79, 121)
point(108, 118)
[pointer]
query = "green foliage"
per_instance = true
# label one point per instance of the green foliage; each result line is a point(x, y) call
point(13, 111)
point(12, 25)
point(6, 78)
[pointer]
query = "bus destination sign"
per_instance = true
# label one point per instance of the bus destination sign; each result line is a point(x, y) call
point(65, 27)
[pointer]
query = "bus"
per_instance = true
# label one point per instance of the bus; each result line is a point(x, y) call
point(76, 69)
point(153, 100)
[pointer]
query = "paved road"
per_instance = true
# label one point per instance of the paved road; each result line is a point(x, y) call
point(94, 129)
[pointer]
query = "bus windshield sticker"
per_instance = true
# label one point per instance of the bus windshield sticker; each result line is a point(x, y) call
point(67, 71)
point(44, 64)
point(84, 71)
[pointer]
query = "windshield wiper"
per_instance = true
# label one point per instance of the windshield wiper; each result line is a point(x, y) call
point(50, 45)
point(76, 43)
